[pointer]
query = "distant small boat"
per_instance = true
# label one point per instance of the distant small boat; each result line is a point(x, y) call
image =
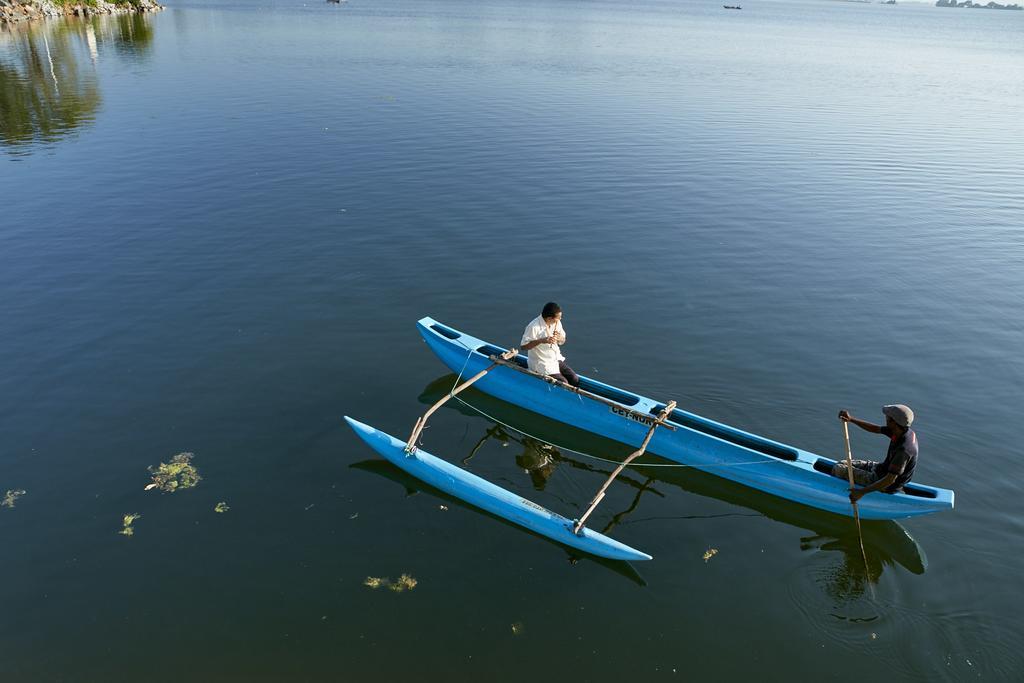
point(732, 7)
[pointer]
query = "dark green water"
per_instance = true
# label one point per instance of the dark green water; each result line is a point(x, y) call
point(220, 224)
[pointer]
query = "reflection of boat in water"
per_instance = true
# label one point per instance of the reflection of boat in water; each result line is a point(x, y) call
point(886, 541)
point(412, 486)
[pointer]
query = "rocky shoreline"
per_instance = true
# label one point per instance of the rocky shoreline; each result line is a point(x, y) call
point(13, 11)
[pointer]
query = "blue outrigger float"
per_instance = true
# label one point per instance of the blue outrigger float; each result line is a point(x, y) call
point(466, 486)
point(686, 438)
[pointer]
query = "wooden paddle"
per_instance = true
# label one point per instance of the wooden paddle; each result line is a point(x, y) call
point(856, 513)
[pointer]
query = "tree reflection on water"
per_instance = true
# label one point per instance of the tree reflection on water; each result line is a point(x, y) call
point(48, 82)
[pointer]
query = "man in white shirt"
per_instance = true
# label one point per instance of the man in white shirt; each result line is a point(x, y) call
point(541, 339)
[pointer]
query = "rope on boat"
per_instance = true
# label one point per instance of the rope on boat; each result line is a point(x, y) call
point(416, 439)
point(599, 496)
point(458, 378)
point(421, 422)
point(598, 457)
point(464, 364)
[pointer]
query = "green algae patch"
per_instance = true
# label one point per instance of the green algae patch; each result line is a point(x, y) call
point(221, 507)
point(175, 475)
point(403, 583)
point(128, 529)
point(11, 496)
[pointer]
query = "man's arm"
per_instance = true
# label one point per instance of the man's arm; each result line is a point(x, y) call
point(533, 336)
point(536, 342)
point(896, 467)
point(880, 485)
point(863, 424)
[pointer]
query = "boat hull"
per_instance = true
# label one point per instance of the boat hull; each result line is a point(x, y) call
point(470, 488)
point(718, 449)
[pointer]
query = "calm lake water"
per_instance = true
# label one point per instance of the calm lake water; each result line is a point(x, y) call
point(221, 222)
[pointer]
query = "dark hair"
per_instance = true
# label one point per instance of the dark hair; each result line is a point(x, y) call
point(551, 309)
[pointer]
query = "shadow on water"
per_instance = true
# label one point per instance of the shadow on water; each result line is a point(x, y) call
point(887, 543)
point(48, 82)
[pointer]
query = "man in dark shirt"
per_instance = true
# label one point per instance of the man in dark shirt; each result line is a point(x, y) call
point(898, 467)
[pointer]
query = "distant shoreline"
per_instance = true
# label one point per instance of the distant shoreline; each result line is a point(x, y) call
point(15, 11)
point(974, 5)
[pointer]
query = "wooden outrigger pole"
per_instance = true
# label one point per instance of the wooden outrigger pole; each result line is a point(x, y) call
point(421, 422)
point(666, 411)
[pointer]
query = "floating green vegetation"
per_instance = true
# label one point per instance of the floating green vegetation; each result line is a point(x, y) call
point(405, 582)
point(221, 507)
point(11, 496)
point(177, 474)
point(709, 553)
point(128, 529)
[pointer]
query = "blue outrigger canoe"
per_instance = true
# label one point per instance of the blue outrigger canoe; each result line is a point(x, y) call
point(757, 462)
point(466, 486)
